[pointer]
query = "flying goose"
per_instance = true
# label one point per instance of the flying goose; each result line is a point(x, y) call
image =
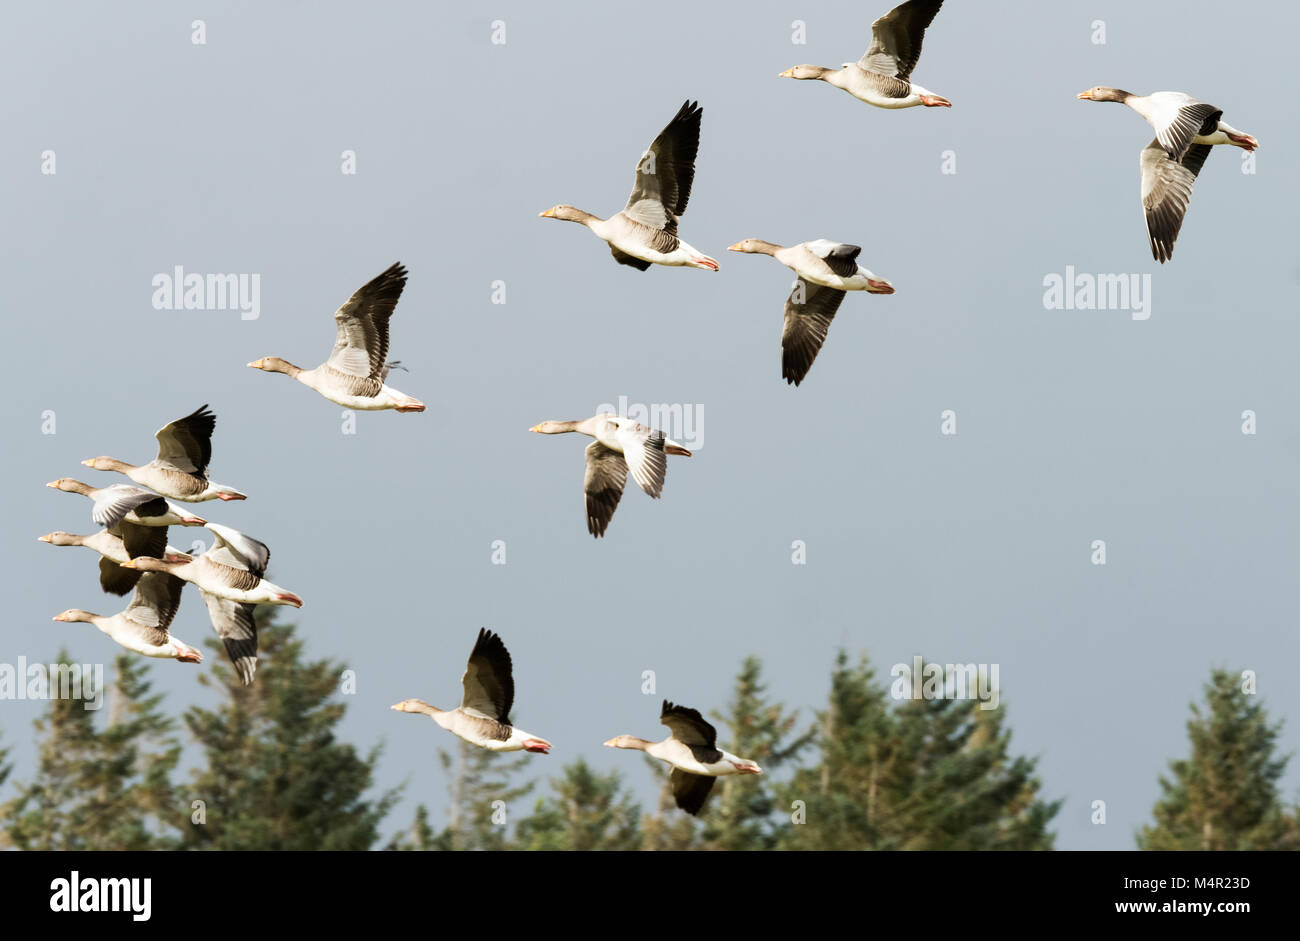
point(621, 444)
point(354, 375)
point(826, 271)
point(644, 232)
point(122, 502)
point(231, 570)
point(1186, 129)
point(119, 544)
point(181, 467)
point(692, 750)
point(881, 76)
point(142, 627)
point(483, 716)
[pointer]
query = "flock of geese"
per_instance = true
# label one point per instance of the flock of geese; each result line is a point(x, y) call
point(230, 576)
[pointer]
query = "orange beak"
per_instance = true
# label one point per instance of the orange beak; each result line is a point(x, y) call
point(549, 214)
point(256, 364)
point(788, 73)
point(1086, 94)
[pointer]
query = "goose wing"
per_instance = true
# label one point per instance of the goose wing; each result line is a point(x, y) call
point(157, 596)
point(112, 504)
point(896, 38)
point(488, 681)
point(361, 348)
point(808, 314)
point(603, 486)
point(690, 790)
point(237, 550)
point(688, 726)
point(665, 172)
point(643, 450)
point(234, 624)
point(186, 444)
point(1166, 191)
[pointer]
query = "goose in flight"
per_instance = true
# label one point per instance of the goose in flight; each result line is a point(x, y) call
point(621, 445)
point(644, 232)
point(122, 502)
point(231, 570)
point(826, 271)
point(119, 544)
point(1185, 129)
point(882, 76)
point(483, 716)
point(692, 750)
point(180, 470)
point(143, 626)
point(233, 620)
point(354, 375)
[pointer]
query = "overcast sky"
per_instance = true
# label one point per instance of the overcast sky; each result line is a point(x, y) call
point(1072, 425)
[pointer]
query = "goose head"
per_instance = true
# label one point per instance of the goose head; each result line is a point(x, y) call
point(106, 463)
point(627, 741)
point(807, 72)
point(754, 247)
point(60, 538)
point(1104, 93)
point(275, 364)
point(75, 614)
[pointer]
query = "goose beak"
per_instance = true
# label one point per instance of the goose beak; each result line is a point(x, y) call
point(88, 462)
point(291, 598)
point(734, 248)
point(549, 214)
point(255, 364)
point(535, 428)
point(1086, 95)
point(59, 617)
point(539, 745)
point(48, 537)
point(128, 564)
point(231, 496)
point(54, 484)
point(788, 73)
point(612, 743)
point(880, 287)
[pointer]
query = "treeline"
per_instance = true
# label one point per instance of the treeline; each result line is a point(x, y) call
point(863, 772)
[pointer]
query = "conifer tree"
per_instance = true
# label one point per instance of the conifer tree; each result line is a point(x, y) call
point(100, 788)
point(742, 813)
point(927, 774)
point(275, 777)
point(420, 837)
point(589, 811)
point(1225, 795)
point(480, 797)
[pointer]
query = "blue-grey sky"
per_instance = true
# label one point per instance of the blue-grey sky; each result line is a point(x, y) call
point(1072, 425)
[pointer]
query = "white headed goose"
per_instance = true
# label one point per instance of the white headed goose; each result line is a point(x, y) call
point(122, 502)
point(692, 750)
point(621, 444)
point(231, 570)
point(1186, 129)
point(483, 716)
point(826, 271)
point(881, 76)
point(644, 232)
point(142, 627)
point(123, 542)
point(354, 374)
point(181, 467)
